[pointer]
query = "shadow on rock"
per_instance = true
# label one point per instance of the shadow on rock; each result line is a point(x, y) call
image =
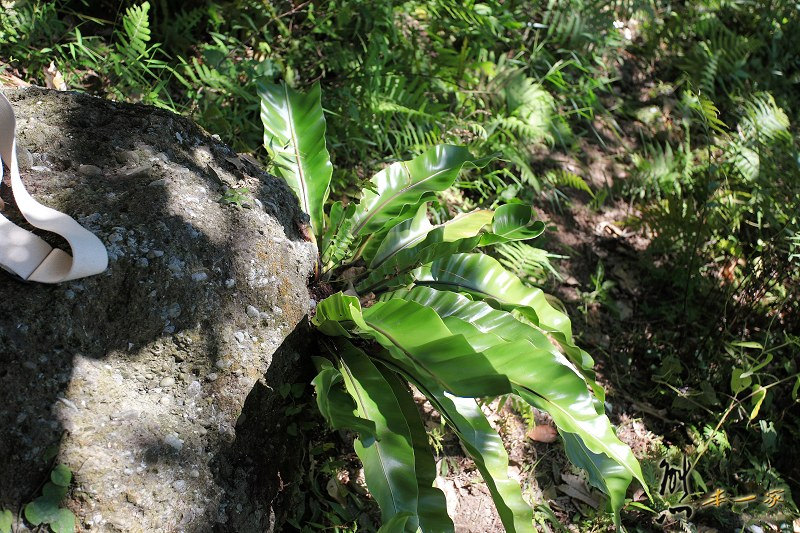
point(139, 374)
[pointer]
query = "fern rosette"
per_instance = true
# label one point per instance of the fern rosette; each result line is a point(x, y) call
point(441, 316)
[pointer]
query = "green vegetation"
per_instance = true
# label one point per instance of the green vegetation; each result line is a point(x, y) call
point(671, 127)
point(46, 509)
point(455, 324)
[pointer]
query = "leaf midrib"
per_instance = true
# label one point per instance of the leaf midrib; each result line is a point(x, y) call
point(406, 352)
point(296, 150)
point(360, 401)
point(591, 436)
point(383, 203)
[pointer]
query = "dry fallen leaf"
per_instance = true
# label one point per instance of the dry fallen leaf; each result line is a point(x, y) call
point(543, 433)
point(575, 487)
point(352, 273)
point(728, 270)
point(336, 490)
point(367, 300)
point(53, 78)
point(9, 80)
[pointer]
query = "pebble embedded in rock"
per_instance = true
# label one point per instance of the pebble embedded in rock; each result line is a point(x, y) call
point(194, 389)
point(139, 172)
point(179, 485)
point(130, 414)
point(229, 283)
point(199, 276)
point(173, 442)
point(252, 312)
point(239, 336)
point(89, 170)
point(174, 310)
point(167, 382)
point(25, 158)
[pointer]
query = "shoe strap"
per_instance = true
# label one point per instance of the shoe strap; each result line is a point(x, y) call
point(28, 255)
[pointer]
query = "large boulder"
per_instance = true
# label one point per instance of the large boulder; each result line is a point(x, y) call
point(138, 377)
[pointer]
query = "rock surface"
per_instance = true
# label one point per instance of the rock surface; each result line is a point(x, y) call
point(138, 376)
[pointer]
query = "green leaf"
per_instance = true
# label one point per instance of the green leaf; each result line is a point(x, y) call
point(32, 514)
point(767, 360)
point(485, 278)
point(6, 521)
point(748, 344)
point(64, 522)
point(405, 234)
point(415, 243)
point(485, 447)
point(411, 232)
point(294, 136)
point(432, 505)
point(397, 524)
point(337, 313)
point(371, 242)
point(604, 473)
point(405, 183)
point(412, 332)
point(54, 492)
point(61, 475)
point(641, 506)
point(394, 271)
point(699, 480)
point(467, 225)
point(513, 222)
point(417, 338)
point(388, 461)
point(337, 406)
point(758, 398)
point(336, 241)
point(136, 26)
point(738, 381)
point(547, 380)
point(41, 510)
point(484, 317)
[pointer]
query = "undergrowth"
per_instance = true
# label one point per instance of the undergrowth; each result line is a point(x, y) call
point(697, 101)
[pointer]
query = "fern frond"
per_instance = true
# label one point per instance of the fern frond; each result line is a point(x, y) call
point(659, 171)
point(136, 30)
point(764, 121)
point(564, 178)
point(529, 263)
point(747, 162)
point(469, 15)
